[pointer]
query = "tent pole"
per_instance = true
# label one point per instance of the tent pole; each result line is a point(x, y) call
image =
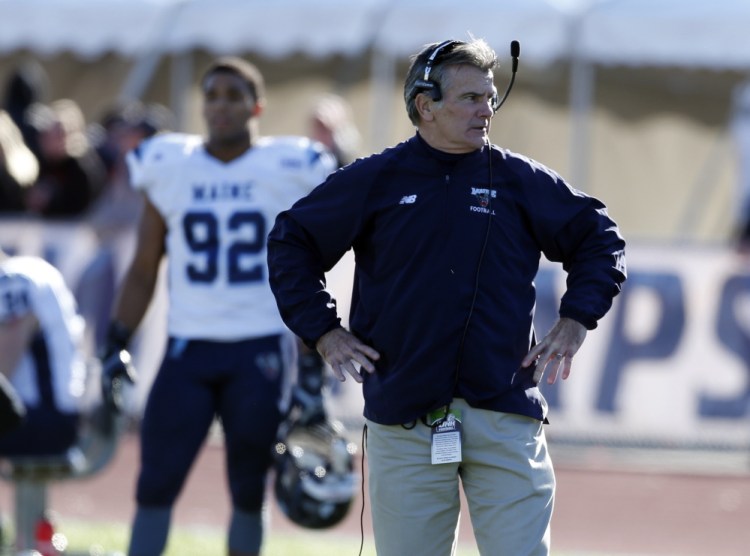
point(181, 79)
point(582, 77)
point(384, 77)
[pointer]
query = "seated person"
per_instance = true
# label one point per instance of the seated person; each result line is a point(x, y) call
point(41, 335)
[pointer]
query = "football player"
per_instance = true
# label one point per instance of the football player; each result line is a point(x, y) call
point(42, 358)
point(209, 204)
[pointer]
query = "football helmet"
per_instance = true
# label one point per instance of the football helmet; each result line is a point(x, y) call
point(315, 479)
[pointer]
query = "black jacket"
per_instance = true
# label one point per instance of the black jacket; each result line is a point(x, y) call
point(446, 250)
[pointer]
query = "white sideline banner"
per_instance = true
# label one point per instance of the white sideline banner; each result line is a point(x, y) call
point(669, 365)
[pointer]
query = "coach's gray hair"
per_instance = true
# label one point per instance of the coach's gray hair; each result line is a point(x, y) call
point(475, 52)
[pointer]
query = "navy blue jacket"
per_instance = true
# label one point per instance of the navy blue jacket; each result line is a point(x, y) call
point(446, 249)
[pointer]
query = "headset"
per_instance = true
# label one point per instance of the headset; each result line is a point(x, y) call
point(425, 83)
point(445, 47)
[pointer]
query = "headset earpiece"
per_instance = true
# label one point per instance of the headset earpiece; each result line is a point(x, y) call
point(429, 87)
point(425, 85)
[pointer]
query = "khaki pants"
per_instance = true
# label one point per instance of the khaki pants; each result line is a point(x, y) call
point(506, 474)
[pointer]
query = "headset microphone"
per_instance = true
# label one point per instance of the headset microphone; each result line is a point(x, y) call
point(515, 52)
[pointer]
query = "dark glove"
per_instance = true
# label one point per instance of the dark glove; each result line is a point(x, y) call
point(308, 393)
point(117, 367)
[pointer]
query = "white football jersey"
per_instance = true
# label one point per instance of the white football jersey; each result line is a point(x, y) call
point(218, 217)
point(32, 285)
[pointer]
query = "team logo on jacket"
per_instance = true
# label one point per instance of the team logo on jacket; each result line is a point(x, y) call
point(483, 196)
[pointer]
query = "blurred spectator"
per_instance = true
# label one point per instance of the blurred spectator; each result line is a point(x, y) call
point(71, 173)
point(27, 85)
point(331, 124)
point(122, 128)
point(18, 166)
point(119, 131)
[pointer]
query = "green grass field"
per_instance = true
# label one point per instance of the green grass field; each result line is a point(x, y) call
point(86, 539)
point(111, 539)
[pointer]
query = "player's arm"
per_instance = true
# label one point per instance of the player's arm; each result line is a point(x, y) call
point(131, 304)
point(140, 279)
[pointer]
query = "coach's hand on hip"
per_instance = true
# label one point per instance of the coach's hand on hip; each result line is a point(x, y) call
point(346, 354)
point(556, 349)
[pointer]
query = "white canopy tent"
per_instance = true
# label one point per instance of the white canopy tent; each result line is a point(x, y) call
point(273, 28)
point(630, 32)
point(91, 28)
point(686, 33)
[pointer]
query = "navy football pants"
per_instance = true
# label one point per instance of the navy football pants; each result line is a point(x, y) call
point(238, 382)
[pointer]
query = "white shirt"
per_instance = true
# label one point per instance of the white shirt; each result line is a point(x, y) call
point(218, 216)
point(32, 285)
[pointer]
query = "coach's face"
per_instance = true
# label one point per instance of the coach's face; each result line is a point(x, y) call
point(228, 105)
point(460, 121)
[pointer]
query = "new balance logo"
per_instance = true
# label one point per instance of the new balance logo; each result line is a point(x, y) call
point(408, 200)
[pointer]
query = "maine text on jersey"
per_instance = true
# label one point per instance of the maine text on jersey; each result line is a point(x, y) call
point(225, 191)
